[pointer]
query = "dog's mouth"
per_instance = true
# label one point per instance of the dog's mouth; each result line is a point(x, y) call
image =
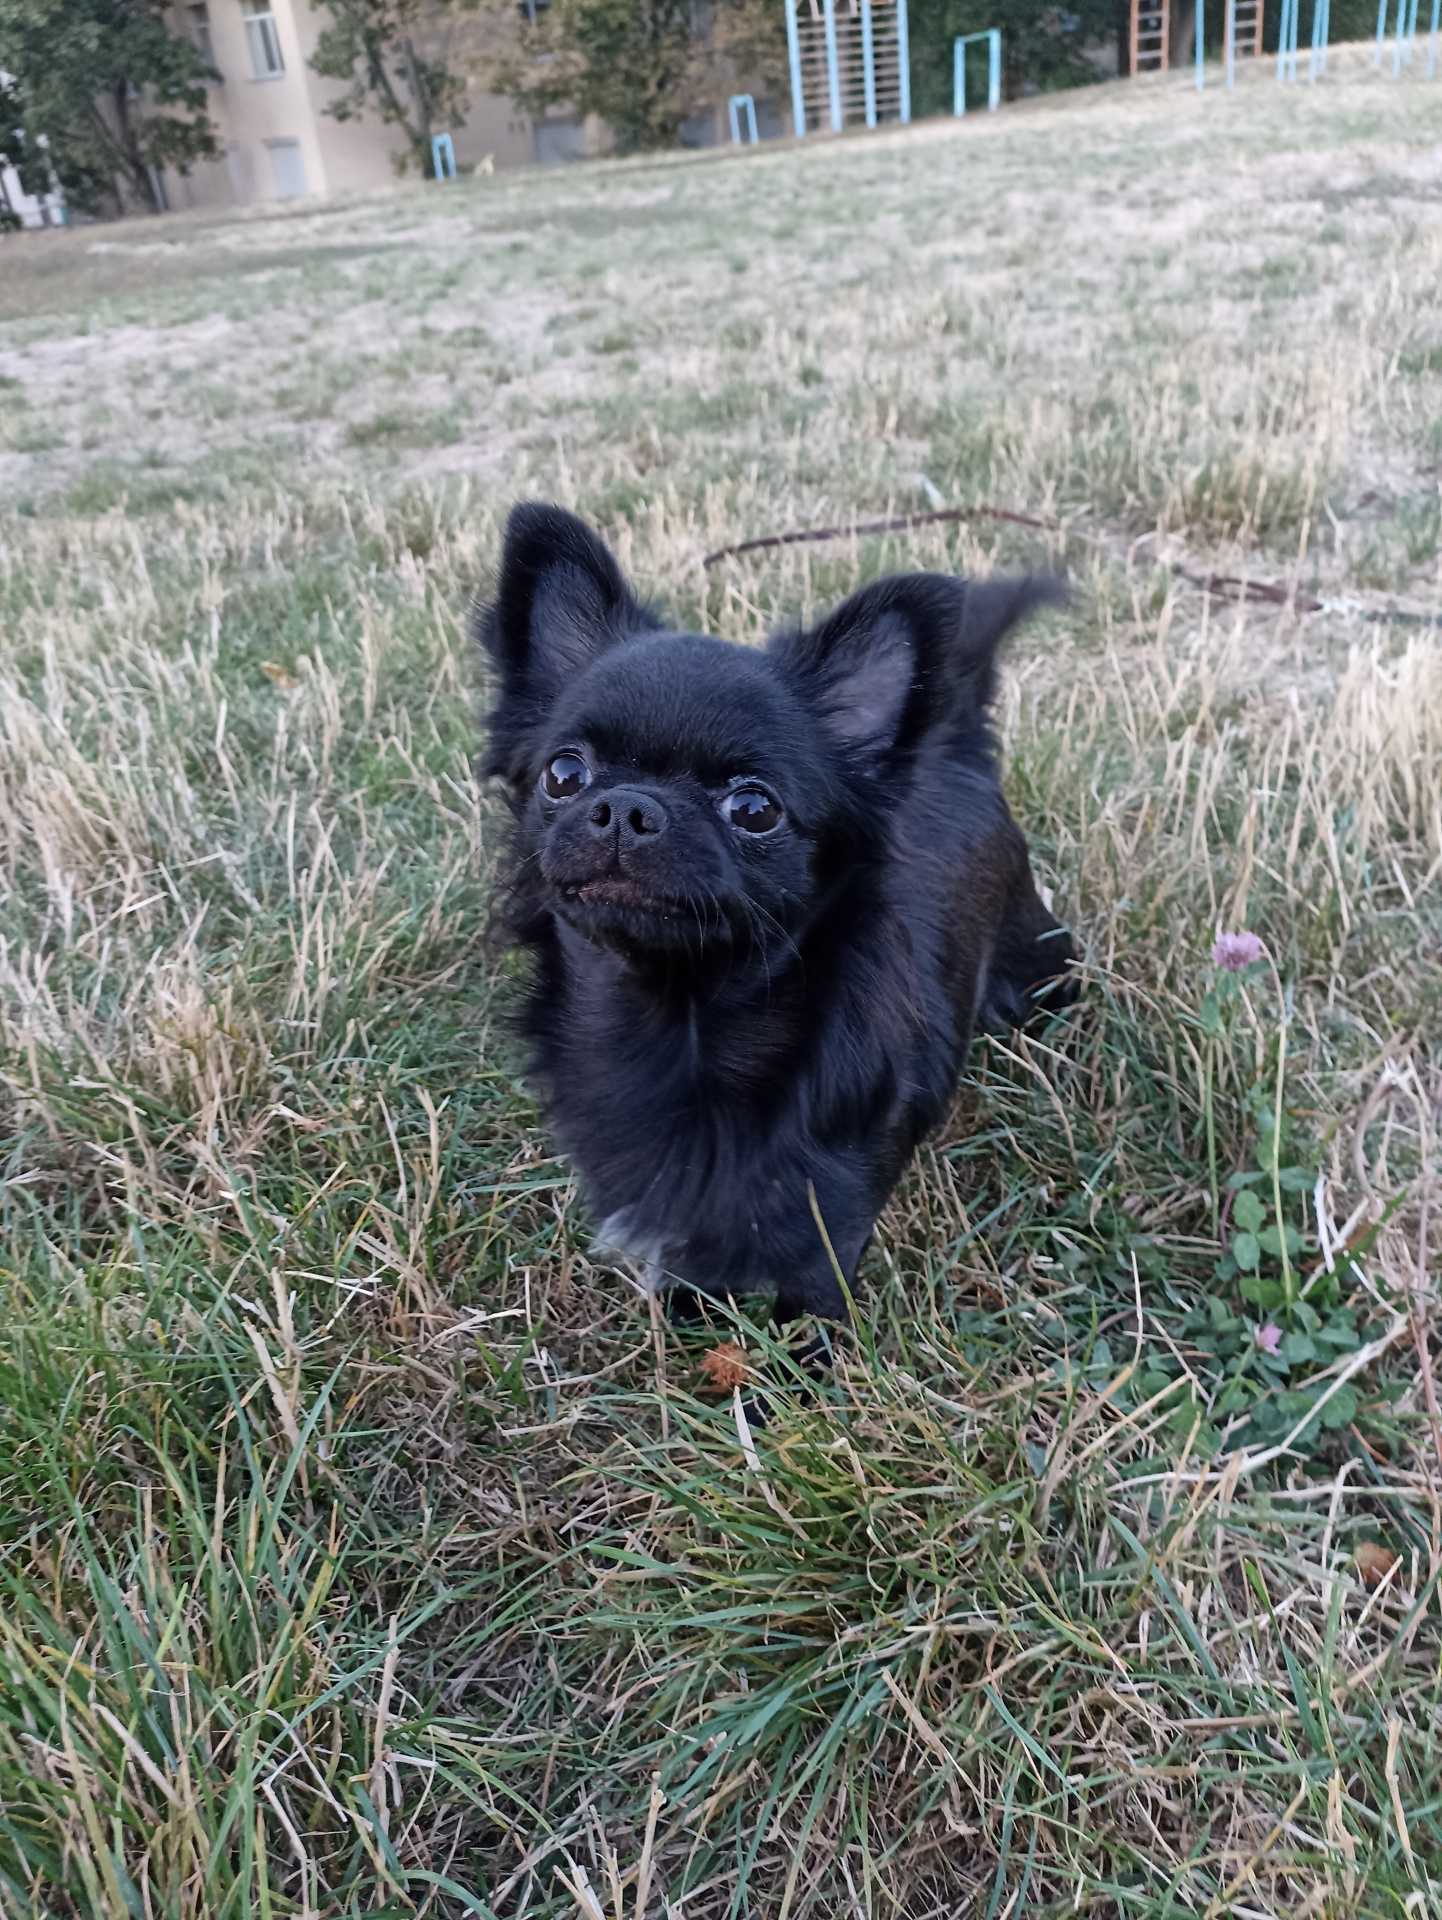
point(619, 912)
point(627, 896)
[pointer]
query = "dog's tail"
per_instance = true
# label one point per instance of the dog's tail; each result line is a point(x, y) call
point(988, 612)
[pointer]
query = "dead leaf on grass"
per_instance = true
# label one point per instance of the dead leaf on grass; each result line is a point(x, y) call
point(1374, 1561)
point(725, 1365)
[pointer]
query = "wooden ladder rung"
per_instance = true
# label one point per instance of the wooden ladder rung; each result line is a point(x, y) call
point(1151, 33)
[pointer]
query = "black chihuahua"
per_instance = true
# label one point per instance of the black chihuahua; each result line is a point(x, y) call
point(769, 894)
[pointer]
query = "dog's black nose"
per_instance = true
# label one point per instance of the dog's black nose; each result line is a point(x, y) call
point(627, 813)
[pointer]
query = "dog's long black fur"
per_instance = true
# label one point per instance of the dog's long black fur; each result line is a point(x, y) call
point(768, 896)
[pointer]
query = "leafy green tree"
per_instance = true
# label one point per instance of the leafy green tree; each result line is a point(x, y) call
point(749, 37)
point(114, 92)
point(643, 66)
point(636, 63)
point(384, 51)
point(1044, 45)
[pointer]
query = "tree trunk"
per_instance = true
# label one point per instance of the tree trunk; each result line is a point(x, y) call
point(1184, 36)
point(133, 168)
point(422, 136)
point(392, 109)
point(1124, 38)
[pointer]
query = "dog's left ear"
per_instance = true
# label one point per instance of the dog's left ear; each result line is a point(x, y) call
point(906, 654)
point(560, 601)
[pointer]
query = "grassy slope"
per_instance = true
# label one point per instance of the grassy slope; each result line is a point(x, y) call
point(363, 1546)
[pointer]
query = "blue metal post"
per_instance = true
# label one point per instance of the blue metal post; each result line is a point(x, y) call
point(733, 109)
point(793, 49)
point(1287, 41)
point(903, 62)
point(1229, 42)
point(1397, 44)
point(1321, 33)
point(992, 37)
point(1201, 77)
point(868, 64)
point(833, 67)
point(1381, 31)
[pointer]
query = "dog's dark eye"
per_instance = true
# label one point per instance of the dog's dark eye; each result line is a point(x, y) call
point(566, 776)
point(751, 810)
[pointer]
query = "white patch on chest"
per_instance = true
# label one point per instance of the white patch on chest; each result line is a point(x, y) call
point(646, 1253)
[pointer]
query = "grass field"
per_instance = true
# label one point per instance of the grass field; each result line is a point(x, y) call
point(365, 1547)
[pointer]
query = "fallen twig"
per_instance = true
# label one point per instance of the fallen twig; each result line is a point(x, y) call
point(1224, 586)
point(1230, 586)
point(940, 516)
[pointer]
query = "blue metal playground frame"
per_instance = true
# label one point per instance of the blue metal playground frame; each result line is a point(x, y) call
point(1405, 38)
point(1405, 44)
point(833, 71)
point(1287, 39)
point(1405, 33)
point(992, 37)
point(738, 104)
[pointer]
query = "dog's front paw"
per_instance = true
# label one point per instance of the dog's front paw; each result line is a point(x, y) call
point(685, 1307)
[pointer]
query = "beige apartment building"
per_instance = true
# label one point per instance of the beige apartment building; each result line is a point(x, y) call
point(278, 141)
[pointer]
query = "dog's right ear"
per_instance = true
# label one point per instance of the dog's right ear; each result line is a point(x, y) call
point(560, 601)
point(904, 655)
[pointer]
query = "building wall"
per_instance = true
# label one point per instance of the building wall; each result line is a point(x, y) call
point(257, 116)
point(279, 142)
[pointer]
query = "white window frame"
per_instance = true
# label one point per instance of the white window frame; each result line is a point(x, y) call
point(200, 29)
point(262, 36)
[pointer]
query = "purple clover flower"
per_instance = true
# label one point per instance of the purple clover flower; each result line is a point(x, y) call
point(1269, 1339)
point(1233, 951)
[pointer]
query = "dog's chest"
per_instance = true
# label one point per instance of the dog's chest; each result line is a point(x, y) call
point(670, 1113)
point(678, 1173)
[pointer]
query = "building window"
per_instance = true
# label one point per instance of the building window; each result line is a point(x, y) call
point(264, 41)
point(200, 33)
